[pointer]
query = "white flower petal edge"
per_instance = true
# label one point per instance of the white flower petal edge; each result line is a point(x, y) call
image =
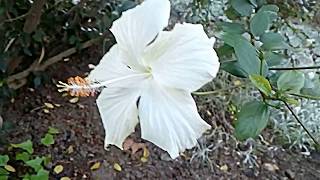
point(111, 66)
point(137, 27)
point(119, 113)
point(183, 58)
point(169, 119)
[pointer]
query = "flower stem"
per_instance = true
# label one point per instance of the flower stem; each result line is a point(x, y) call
point(296, 117)
point(295, 68)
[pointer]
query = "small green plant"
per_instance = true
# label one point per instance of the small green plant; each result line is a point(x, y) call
point(22, 155)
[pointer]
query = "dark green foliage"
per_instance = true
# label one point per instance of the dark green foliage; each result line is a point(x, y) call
point(61, 25)
point(251, 120)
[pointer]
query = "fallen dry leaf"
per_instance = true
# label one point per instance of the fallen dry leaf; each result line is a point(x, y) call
point(146, 152)
point(134, 146)
point(49, 105)
point(95, 166)
point(65, 178)
point(117, 167)
point(70, 149)
point(58, 169)
point(74, 100)
point(224, 168)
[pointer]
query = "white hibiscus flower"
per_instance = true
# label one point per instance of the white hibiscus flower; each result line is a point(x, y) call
point(149, 76)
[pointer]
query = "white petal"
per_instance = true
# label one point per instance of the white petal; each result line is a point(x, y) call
point(114, 66)
point(137, 27)
point(169, 119)
point(119, 113)
point(183, 58)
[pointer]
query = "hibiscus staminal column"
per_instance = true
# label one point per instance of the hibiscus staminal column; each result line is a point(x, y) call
point(161, 69)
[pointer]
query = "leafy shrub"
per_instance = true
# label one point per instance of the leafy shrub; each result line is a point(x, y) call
point(253, 49)
point(32, 31)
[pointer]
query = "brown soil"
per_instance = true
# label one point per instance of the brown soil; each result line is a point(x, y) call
point(81, 129)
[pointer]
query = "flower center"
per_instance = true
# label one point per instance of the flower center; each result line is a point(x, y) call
point(148, 69)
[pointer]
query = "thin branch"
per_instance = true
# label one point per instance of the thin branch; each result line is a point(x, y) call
point(16, 18)
point(297, 118)
point(9, 44)
point(306, 96)
point(37, 67)
point(215, 92)
point(295, 68)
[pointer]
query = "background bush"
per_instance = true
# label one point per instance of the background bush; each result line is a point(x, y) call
point(39, 29)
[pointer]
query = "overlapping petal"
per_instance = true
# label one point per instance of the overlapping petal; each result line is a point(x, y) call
point(183, 58)
point(119, 113)
point(113, 66)
point(169, 119)
point(137, 27)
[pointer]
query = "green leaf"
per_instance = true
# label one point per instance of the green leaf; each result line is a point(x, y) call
point(243, 7)
point(272, 11)
point(26, 177)
point(232, 27)
point(291, 81)
point(270, 8)
point(261, 2)
point(291, 101)
point(254, 3)
point(27, 145)
point(23, 156)
point(273, 41)
point(41, 175)
point(4, 160)
point(246, 54)
point(47, 159)
point(261, 83)
point(35, 163)
point(273, 59)
point(311, 87)
point(234, 68)
point(262, 20)
point(251, 120)
point(259, 23)
point(3, 177)
point(224, 51)
point(231, 13)
point(53, 130)
point(47, 140)
point(3, 172)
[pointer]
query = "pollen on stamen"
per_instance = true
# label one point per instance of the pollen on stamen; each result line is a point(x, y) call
point(78, 86)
